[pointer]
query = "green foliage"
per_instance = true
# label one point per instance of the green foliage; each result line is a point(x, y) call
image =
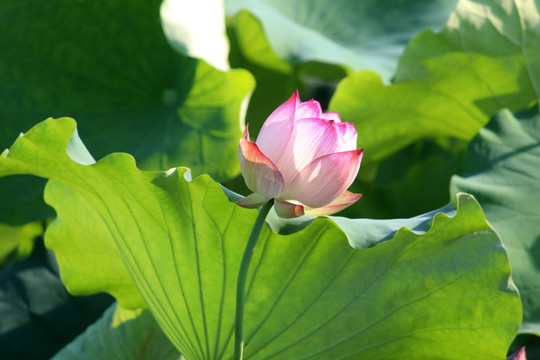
point(178, 243)
point(501, 170)
point(168, 247)
point(18, 241)
point(310, 45)
point(37, 314)
point(108, 64)
point(121, 335)
point(357, 34)
point(450, 83)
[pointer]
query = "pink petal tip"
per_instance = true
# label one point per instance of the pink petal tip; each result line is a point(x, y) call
point(518, 355)
point(342, 202)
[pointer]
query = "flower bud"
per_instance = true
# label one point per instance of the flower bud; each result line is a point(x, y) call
point(304, 158)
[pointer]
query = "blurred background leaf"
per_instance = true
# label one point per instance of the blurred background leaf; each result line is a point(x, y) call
point(109, 64)
point(311, 45)
point(448, 84)
point(38, 316)
point(446, 88)
point(502, 170)
point(17, 242)
point(356, 34)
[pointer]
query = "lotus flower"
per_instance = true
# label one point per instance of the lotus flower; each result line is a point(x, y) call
point(303, 158)
point(518, 355)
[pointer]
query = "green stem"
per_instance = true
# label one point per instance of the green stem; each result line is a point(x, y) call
point(241, 283)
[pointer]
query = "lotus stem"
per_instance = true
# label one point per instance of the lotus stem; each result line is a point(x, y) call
point(241, 283)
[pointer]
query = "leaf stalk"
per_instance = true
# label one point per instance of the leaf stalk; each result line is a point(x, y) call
point(242, 276)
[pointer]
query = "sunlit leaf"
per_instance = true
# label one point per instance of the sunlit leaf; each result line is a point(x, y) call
point(310, 294)
point(448, 84)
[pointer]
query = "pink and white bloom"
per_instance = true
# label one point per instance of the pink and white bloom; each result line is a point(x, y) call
point(303, 158)
point(518, 355)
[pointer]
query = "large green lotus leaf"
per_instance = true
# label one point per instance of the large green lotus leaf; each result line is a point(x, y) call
point(108, 64)
point(121, 334)
point(309, 295)
point(502, 170)
point(37, 315)
point(356, 34)
point(449, 84)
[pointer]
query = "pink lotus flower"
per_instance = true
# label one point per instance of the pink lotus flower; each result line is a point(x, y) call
point(518, 355)
point(304, 158)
